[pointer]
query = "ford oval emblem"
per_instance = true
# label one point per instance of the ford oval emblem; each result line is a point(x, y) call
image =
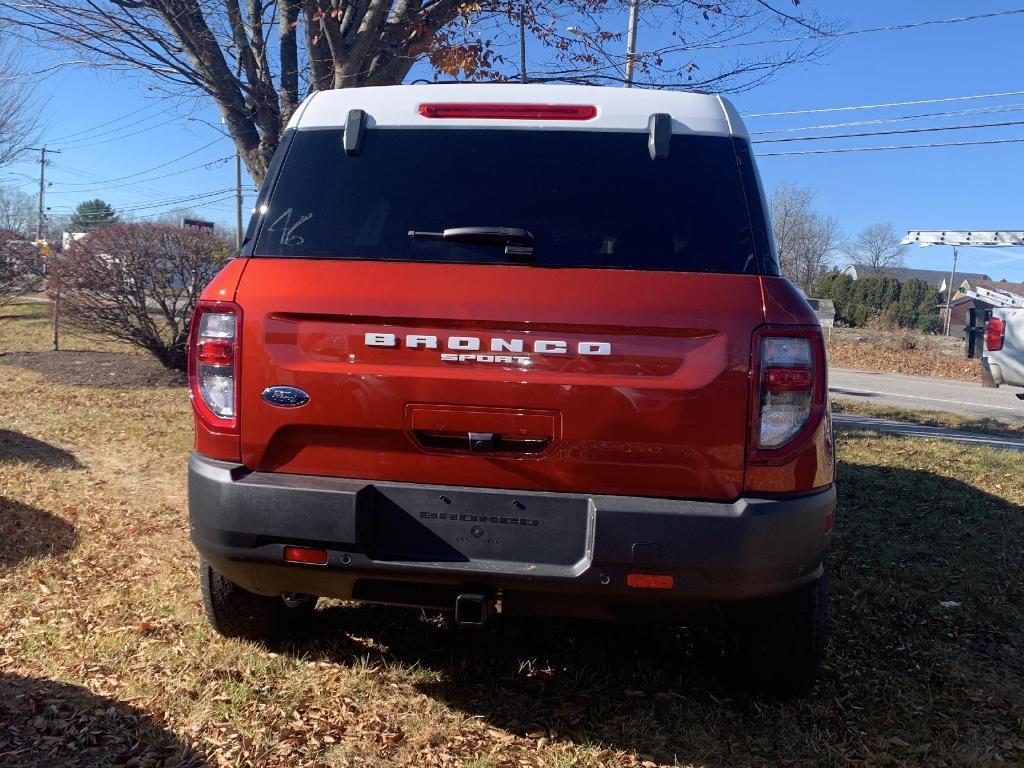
point(285, 397)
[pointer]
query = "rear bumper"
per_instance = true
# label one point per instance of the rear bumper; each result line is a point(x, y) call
point(544, 553)
point(992, 373)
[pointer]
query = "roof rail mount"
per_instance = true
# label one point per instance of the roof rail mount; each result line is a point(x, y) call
point(355, 131)
point(659, 135)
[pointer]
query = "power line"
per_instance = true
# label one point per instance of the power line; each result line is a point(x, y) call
point(113, 135)
point(888, 120)
point(683, 48)
point(166, 202)
point(845, 33)
point(151, 192)
point(134, 184)
point(862, 134)
point(838, 150)
point(155, 167)
point(885, 106)
point(206, 204)
point(66, 137)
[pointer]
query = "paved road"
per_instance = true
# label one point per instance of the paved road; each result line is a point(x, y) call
point(924, 394)
point(916, 430)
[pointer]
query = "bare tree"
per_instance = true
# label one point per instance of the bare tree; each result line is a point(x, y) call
point(138, 283)
point(18, 113)
point(877, 246)
point(256, 59)
point(806, 240)
point(17, 212)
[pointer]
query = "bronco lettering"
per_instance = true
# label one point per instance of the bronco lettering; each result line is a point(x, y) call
point(473, 343)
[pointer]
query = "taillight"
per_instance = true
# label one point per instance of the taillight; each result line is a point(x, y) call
point(995, 331)
point(786, 389)
point(509, 111)
point(213, 364)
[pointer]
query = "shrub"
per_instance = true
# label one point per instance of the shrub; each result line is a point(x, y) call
point(905, 340)
point(839, 288)
point(875, 293)
point(917, 304)
point(881, 300)
point(21, 266)
point(929, 323)
point(138, 283)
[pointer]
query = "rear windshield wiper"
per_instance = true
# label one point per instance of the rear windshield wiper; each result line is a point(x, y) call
point(518, 242)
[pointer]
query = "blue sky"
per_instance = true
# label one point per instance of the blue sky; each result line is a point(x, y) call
point(957, 187)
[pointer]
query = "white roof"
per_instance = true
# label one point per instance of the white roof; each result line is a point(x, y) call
point(618, 109)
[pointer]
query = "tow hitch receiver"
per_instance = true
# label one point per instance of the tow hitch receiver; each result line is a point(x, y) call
point(471, 610)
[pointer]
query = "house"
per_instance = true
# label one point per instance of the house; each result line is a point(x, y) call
point(937, 278)
point(961, 305)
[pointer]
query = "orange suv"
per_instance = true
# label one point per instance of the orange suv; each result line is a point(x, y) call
point(514, 349)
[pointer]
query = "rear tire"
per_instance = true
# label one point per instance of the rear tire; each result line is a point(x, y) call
point(777, 644)
point(237, 613)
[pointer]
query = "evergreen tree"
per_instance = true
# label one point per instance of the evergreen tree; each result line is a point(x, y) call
point(839, 288)
point(92, 214)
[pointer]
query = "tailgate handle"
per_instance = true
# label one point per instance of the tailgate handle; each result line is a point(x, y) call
point(480, 442)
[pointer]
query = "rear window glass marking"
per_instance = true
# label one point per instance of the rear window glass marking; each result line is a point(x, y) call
point(288, 237)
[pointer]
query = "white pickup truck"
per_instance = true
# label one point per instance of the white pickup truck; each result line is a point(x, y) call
point(1004, 347)
point(1003, 355)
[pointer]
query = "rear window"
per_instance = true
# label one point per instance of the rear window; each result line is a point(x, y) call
point(587, 198)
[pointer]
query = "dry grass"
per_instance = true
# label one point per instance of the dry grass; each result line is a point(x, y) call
point(26, 326)
point(105, 658)
point(930, 418)
point(901, 351)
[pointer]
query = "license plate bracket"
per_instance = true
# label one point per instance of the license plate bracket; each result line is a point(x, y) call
point(463, 525)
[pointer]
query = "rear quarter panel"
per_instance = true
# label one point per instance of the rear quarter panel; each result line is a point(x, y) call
point(809, 461)
point(1010, 359)
point(209, 442)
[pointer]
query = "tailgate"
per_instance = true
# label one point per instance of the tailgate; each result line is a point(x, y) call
point(586, 380)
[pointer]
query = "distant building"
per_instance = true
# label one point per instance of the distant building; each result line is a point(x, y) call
point(68, 238)
point(936, 278)
point(961, 305)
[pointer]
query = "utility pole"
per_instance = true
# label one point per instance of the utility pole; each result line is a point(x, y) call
point(634, 22)
point(949, 290)
point(55, 298)
point(522, 45)
point(42, 187)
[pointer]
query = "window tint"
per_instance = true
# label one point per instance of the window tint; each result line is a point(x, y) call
point(588, 198)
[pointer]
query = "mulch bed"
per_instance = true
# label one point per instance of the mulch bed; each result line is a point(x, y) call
point(110, 370)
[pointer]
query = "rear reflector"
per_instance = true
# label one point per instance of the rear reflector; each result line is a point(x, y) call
point(788, 379)
point(215, 351)
point(830, 520)
point(509, 111)
point(995, 330)
point(305, 555)
point(650, 581)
